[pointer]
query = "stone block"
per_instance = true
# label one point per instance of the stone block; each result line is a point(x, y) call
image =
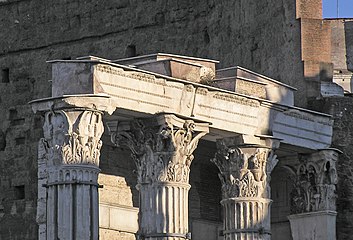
point(313, 225)
point(254, 84)
point(104, 216)
point(181, 67)
point(70, 78)
point(124, 219)
point(118, 218)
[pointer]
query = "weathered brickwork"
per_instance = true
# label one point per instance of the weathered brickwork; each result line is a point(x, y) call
point(309, 9)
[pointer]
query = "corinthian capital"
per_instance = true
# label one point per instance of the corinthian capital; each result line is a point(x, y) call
point(315, 180)
point(162, 147)
point(72, 137)
point(244, 169)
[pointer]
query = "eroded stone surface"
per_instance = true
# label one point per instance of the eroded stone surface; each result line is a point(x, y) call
point(245, 175)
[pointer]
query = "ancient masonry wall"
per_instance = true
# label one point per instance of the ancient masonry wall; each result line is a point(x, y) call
point(260, 35)
point(341, 108)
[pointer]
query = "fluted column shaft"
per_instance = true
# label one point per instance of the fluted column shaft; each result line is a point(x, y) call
point(164, 210)
point(245, 175)
point(69, 159)
point(162, 148)
point(246, 218)
point(73, 203)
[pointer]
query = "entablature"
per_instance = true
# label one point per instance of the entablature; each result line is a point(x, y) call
point(136, 93)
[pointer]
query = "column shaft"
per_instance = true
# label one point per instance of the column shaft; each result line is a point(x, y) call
point(246, 218)
point(164, 210)
point(73, 203)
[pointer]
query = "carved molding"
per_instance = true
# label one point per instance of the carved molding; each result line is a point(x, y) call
point(314, 183)
point(162, 149)
point(244, 171)
point(72, 137)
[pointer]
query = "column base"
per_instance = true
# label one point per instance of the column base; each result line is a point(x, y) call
point(319, 225)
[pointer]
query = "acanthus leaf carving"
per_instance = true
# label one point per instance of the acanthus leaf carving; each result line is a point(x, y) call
point(162, 152)
point(244, 171)
point(314, 183)
point(73, 137)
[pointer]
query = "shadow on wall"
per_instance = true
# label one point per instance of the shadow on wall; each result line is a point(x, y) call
point(348, 30)
point(118, 175)
point(281, 188)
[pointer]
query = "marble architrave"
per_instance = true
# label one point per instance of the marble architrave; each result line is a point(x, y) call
point(162, 148)
point(313, 199)
point(245, 176)
point(138, 91)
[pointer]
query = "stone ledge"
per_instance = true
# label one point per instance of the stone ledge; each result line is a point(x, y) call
point(118, 217)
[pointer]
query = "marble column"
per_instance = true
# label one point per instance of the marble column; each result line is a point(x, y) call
point(313, 199)
point(68, 173)
point(245, 176)
point(162, 148)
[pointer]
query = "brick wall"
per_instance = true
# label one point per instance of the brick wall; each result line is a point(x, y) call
point(316, 54)
point(309, 9)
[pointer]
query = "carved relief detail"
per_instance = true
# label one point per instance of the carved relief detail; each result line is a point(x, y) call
point(162, 153)
point(72, 137)
point(244, 172)
point(314, 185)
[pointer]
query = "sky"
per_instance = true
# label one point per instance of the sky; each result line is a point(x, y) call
point(345, 8)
